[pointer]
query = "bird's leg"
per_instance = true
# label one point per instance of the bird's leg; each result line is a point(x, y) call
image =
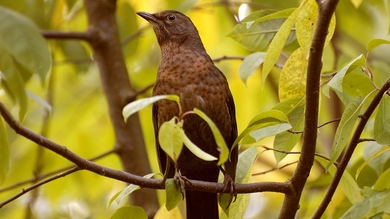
point(180, 180)
point(229, 186)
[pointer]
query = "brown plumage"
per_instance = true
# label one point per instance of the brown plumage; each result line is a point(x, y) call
point(187, 71)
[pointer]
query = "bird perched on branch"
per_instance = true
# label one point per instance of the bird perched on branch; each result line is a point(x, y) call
point(188, 71)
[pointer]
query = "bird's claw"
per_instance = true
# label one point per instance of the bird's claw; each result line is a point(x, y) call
point(229, 187)
point(180, 181)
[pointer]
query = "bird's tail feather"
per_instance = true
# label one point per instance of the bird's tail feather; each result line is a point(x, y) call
point(201, 205)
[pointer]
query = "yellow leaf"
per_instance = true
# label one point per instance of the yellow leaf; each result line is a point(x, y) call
point(292, 82)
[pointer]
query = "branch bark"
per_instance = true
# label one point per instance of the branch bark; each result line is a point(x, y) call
point(107, 53)
point(350, 149)
point(298, 180)
point(84, 164)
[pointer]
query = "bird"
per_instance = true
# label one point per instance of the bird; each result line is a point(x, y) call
point(187, 71)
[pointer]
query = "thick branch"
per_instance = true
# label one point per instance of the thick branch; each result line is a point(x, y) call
point(306, 160)
point(351, 148)
point(279, 187)
point(107, 52)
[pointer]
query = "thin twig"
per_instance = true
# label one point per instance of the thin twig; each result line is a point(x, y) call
point(350, 149)
point(66, 35)
point(274, 169)
point(320, 126)
point(36, 185)
point(45, 175)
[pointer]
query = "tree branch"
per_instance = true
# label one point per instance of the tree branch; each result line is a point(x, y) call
point(38, 184)
point(66, 35)
point(306, 160)
point(83, 164)
point(107, 53)
point(351, 148)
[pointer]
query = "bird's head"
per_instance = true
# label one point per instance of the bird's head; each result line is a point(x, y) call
point(173, 27)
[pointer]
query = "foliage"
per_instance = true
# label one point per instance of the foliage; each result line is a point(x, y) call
point(52, 87)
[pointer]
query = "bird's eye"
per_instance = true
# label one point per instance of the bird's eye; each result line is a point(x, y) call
point(171, 17)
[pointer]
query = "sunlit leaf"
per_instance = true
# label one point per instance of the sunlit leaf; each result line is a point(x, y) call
point(21, 38)
point(257, 30)
point(375, 43)
point(383, 181)
point(127, 191)
point(137, 105)
point(366, 206)
point(306, 24)
point(163, 213)
point(173, 194)
point(269, 131)
point(337, 81)
point(379, 162)
point(222, 147)
point(345, 128)
point(130, 212)
point(286, 141)
point(250, 64)
point(292, 81)
point(376, 155)
point(382, 121)
point(196, 150)
point(245, 163)
point(4, 152)
point(277, 44)
point(356, 3)
point(13, 82)
point(278, 14)
point(263, 119)
point(347, 183)
point(171, 137)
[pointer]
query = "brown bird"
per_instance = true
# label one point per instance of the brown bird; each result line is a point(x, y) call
point(188, 71)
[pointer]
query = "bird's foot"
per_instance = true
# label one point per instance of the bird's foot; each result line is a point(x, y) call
point(180, 180)
point(229, 187)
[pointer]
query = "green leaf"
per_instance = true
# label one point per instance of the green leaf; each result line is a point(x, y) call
point(306, 24)
point(376, 155)
point(366, 206)
point(347, 183)
point(270, 131)
point(173, 194)
point(171, 137)
point(250, 64)
point(277, 44)
point(375, 43)
point(262, 120)
point(137, 105)
point(292, 81)
point(279, 14)
point(337, 80)
point(345, 128)
point(4, 152)
point(356, 3)
point(257, 30)
point(22, 40)
point(379, 163)
point(130, 212)
point(13, 82)
point(196, 150)
point(382, 121)
point(383, 181)
point(223, 149)
point(286, 141)
point(127, 191)
point(245, 163)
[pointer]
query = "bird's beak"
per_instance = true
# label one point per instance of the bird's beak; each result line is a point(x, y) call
point(147, 16)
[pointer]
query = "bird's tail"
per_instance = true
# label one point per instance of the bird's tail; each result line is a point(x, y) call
point(201, 205)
